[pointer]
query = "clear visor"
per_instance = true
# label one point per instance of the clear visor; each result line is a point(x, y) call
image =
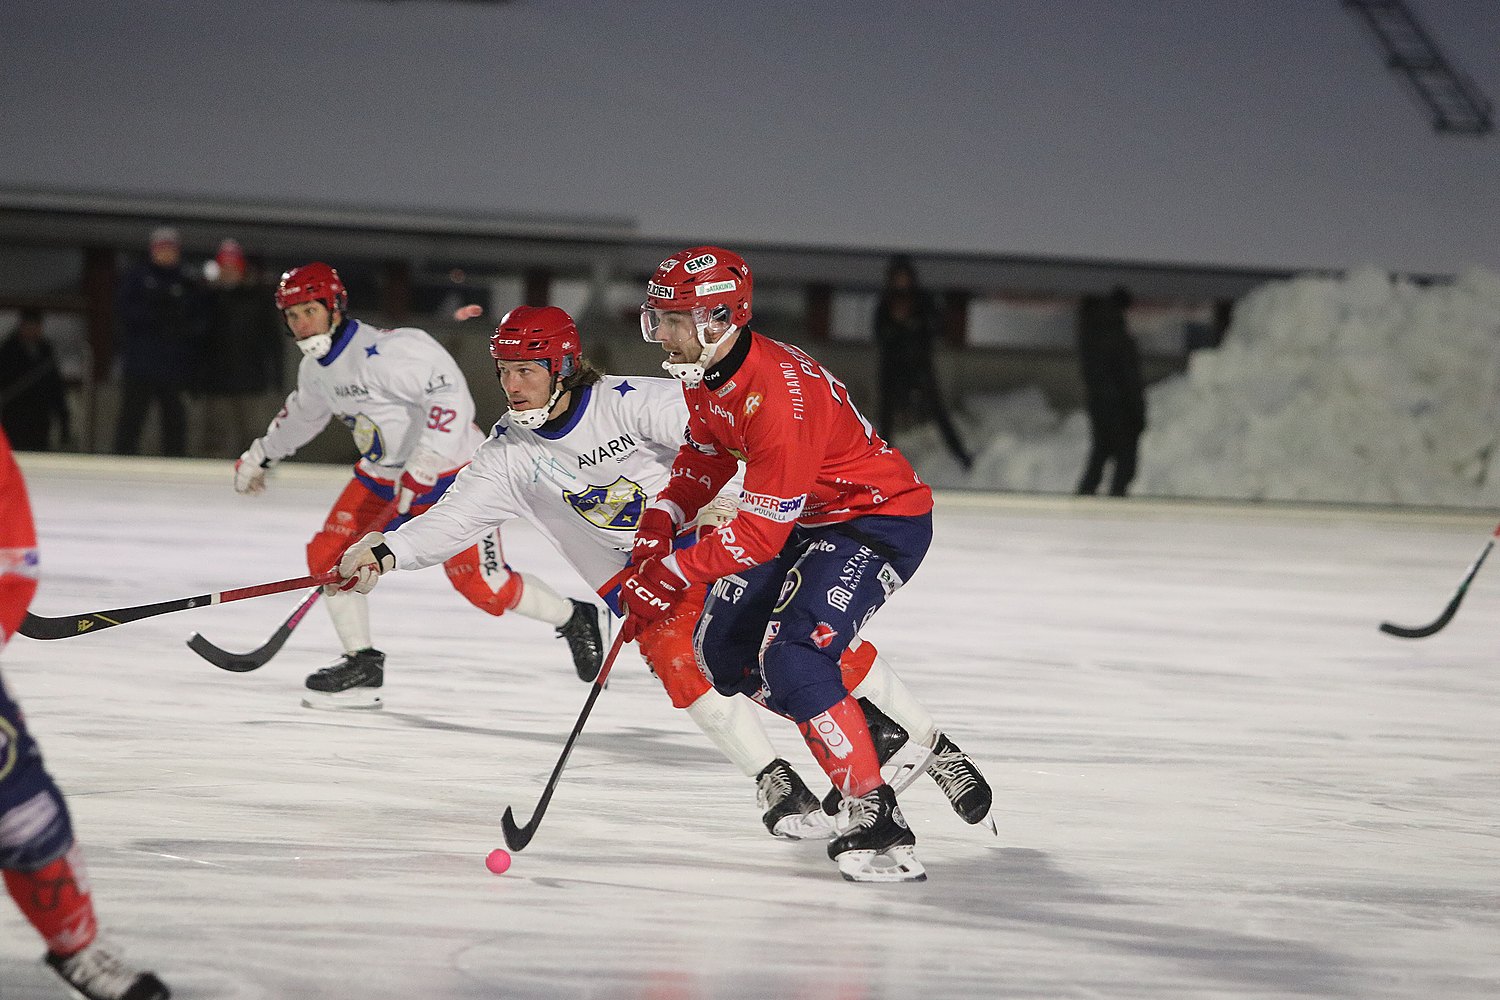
point(659, 324)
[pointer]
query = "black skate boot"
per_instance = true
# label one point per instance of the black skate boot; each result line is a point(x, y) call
point(791, 810)
point(895, 750)
point(584, 640)
point(353, 681)
point(960, 780)
point(874, 829)
point(97, 974)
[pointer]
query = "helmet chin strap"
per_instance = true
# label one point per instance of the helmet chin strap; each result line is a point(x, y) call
point(690, 373)
point(319, 344)
point(537, 416)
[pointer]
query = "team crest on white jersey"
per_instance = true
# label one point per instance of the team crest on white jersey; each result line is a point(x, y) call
point(367, 437)
point(616, 507)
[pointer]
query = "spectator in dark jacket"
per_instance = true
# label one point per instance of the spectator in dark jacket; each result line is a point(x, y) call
point(161, 325)
point(1113, 390)
point(32, 395)
point(906, 332)
point(241, 360)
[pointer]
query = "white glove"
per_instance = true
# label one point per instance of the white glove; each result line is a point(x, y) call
point(250, 469)
point(419, 477)
point(361, 565)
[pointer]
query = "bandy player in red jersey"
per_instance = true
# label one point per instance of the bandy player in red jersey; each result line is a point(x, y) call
point(42, 866)
point(831, 522)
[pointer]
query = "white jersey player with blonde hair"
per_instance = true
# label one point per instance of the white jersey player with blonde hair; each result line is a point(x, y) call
point(580, 455)
point(412, 417)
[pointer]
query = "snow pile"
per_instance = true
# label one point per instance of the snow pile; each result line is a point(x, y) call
point(1354, 389)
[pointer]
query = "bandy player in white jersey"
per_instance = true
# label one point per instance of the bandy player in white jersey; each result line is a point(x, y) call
point(580, 455)
point(409, 409)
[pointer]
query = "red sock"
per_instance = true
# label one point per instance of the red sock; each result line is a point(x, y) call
point(56, 900)
point(840, 743)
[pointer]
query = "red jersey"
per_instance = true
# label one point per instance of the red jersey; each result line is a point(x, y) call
point(18, 558)
point(810, 457)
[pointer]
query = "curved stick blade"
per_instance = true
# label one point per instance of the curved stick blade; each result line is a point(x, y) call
point(237, 663)
point(516, 837)
point(1423, 631)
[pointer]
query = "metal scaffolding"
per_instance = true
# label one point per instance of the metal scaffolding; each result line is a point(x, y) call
point(1456, 103)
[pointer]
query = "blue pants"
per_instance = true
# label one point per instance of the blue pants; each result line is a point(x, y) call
point(35, 829)
point(776, 631)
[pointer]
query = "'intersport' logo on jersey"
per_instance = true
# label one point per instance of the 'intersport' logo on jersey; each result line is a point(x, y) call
point(616, 507)
point(700, 263)
point(781, 509)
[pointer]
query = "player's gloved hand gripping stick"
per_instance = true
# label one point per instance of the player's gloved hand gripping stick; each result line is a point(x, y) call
point(243, 663)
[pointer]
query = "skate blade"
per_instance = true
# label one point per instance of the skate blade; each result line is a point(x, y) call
point(901, 865)
point(354, 699)
point(816, 825)
point(906, 765)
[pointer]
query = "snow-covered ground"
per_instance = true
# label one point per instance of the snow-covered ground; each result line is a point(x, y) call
point(1215, 780)
point(1355, 389)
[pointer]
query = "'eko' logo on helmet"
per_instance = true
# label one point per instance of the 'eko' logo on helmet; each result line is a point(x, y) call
point(660, 291)
point(700, 263)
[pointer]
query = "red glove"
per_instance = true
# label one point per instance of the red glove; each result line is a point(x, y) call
point(648, 595)
point(653, 535)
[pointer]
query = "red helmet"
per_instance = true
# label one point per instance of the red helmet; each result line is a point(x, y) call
point(702, 276)
point(544, 334)
point(314, 282)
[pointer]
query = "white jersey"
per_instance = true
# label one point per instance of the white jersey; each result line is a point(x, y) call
point(397, 391)
point(584, 485)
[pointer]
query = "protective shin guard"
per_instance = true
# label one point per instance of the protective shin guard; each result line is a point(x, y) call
point(56, 901)
point(351, 620)
point(840, 743)
point(891, 695)
point(540, 601)
point(732, 725)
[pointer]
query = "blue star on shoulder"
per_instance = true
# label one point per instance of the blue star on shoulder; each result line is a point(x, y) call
point(372, 350)
point(500, 430)
point(624, 387)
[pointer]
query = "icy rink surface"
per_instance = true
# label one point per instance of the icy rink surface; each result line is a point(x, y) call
point(1214, 778)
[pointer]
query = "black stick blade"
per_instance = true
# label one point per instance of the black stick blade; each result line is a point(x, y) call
point(516, 837)
point(1423, 631)
point(238, 663)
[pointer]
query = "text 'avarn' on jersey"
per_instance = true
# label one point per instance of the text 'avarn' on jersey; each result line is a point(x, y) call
point(583, 484)
point(810, 456)
point(399, 393)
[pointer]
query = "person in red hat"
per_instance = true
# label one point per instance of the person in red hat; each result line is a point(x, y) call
point(242, 358)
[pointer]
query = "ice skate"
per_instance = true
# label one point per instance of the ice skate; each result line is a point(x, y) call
point(791, 811)
point(960, 780)
point(901, 758)
point(877, 845)
point(353, 681)
point(95, 973)
point(585, 641)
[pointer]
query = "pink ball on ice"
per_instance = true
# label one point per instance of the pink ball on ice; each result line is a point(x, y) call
point(498, 861)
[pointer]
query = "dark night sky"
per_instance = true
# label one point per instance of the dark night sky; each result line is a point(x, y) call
point(1214, 131)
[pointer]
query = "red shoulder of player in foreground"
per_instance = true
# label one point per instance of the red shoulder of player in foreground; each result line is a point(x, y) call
point(809, 456)
point(18, 558)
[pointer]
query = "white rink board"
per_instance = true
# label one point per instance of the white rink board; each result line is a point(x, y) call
point(1214, 778)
